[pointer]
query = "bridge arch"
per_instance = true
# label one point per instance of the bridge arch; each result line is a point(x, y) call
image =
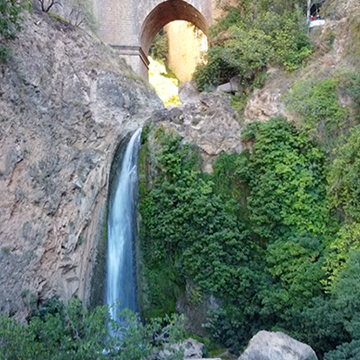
point(166, 12)
point(130, 25)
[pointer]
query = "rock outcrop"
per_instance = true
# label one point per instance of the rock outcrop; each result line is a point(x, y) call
point(267, 345)
point(66, 100)
point(265, 104)
point(213, 124)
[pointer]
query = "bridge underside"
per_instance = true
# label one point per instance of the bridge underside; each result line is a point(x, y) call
point(130, 28)
point(167, 12)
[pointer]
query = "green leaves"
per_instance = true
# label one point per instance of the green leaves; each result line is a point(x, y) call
point(260, 232)
point(10, 18)
point(287, 185)
point(189, 229)
point(247, 39)
point(10, 22)
point(320, 113)
point(344, 176)
point(73, 332)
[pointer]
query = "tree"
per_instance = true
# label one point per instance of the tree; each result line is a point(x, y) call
point(57, 331)
point(46, 5)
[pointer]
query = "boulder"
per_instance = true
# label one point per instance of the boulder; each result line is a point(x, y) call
point(226, 88)
point(188, 94)
point(267, 345)
point(265, 104)
point(191, 348)
point(235, 84)
point(213, 125)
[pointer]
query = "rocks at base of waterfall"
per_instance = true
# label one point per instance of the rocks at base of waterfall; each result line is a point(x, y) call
point(191, 349)
point(267, 345)
point(188, 93)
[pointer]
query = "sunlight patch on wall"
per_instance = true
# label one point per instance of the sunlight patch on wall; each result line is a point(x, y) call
point(165, 83)
point(187, 44)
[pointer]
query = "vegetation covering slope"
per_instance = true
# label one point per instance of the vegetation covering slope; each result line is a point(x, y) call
point(273, 233)
point(267, 234)
point(56, 331)
point(251, 36)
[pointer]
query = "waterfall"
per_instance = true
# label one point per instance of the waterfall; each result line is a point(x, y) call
point(121, 227)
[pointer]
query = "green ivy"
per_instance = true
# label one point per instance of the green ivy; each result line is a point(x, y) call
point(319, 111)
point(271, 233)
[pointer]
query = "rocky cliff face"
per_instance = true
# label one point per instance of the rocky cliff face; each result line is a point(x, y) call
point(66, 100)
point(208, 120)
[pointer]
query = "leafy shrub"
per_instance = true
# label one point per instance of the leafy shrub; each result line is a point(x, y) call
point(258, 233)
point(10, 17)
point(10, 22)
point(159, 47)
point(344, 176)
point(250, 44)
point(286, 173)
point(346, 351)
point(320, 114)
point(61, 332)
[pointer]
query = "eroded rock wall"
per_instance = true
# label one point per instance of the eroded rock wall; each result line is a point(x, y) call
point(66, 100)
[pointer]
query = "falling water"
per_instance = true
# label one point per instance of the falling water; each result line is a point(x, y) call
point(120, 278)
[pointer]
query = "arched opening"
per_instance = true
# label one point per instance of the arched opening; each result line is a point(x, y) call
point(165, 13)
point(181, 25)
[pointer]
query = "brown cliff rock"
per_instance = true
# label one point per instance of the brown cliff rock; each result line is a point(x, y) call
point(66, 100)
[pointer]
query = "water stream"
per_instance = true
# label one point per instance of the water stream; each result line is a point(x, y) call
point(121, 228)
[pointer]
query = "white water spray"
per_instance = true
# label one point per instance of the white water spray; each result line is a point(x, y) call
point(120, 277)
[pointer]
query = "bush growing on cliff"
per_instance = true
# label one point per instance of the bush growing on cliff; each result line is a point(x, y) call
point(10, 22)
point(251, 233)
point(10, 16)
point(248, 42)
point(319, 111)
point(187, 230)
point(159, 47)
point(273, 233)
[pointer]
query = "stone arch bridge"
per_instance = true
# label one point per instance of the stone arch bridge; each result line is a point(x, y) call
point(130, 25)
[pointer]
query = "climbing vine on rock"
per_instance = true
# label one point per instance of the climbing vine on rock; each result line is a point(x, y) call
point(272, 233)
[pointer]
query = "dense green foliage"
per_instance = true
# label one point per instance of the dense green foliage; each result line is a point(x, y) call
point(10, 21)
point(56, 331)
point(10, 17)
point(272, 233)
point(252, 36)
point(320, 114)
point(187, 228)
point(159, 47)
